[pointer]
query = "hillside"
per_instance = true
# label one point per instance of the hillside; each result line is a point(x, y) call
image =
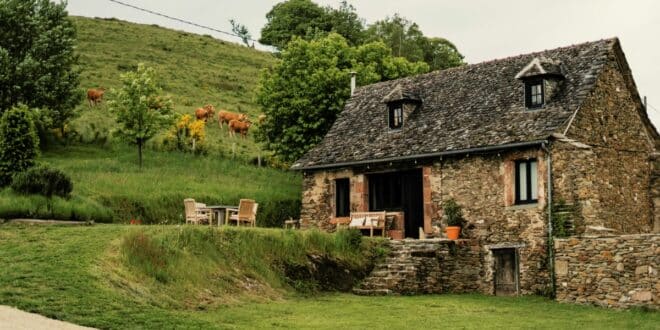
point(194, 69)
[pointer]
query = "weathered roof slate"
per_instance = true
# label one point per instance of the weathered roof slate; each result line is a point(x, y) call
point(472, 106)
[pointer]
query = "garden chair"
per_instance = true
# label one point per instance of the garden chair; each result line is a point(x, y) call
point(246, 212)
point(197, 213)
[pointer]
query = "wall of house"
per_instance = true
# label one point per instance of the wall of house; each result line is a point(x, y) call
point(603, 166)
point(615, 271)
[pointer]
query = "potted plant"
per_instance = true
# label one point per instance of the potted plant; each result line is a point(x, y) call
point(454, 215)
point(393, 230)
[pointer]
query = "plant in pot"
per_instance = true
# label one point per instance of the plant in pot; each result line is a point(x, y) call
point(454, 215)
point(393, 231)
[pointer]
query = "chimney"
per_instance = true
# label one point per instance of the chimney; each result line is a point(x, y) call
point(353, 73)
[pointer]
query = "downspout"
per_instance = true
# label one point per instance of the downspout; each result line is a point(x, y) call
point(551, 242)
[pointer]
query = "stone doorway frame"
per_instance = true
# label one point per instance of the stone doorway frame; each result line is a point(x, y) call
point(490, 264)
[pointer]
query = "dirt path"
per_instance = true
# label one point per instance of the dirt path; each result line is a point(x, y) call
point(15, 319)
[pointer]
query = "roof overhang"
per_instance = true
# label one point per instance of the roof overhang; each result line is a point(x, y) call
point(424, 156)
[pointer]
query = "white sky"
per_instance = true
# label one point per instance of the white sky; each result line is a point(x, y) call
point(482, 30)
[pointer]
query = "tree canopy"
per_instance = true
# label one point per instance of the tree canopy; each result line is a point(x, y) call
point(19, 144)
point(302, 95)
point(37, 60)
point(140, 109)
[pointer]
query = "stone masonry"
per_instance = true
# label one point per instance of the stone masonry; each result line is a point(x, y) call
point(615, 271)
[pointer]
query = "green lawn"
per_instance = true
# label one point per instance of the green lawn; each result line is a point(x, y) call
point(71, 273)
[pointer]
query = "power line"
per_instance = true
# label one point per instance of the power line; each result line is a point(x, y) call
point(179, 19)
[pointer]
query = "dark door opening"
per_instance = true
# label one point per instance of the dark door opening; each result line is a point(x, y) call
point(505, 272)
point(399, 191)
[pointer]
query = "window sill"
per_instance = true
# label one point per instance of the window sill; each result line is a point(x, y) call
point(522, 206)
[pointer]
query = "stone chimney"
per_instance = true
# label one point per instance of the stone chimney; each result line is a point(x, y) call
point(353, 73)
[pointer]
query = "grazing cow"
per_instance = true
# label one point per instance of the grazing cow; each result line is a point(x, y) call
point(225, 116)
point(237, 126)
point(207, 112)
point(95, 95)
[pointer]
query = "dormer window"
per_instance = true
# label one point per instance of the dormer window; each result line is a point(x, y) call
point(396, 115)
point(534, 94)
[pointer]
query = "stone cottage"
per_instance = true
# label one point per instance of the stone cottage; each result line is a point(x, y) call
point(512, 141)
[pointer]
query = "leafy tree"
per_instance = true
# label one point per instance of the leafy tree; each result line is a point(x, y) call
point(302, 18)
point(140, 109)
point(406, 39)
point(241, 31)
point(37, 60)
point(19, 144)
point(302, 95)
point(346, 22)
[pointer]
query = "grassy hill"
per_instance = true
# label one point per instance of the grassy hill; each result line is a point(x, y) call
point(167, 277)
point(194, 69)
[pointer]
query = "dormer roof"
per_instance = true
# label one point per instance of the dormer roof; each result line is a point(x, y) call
point(541, 66)
point(399, 94)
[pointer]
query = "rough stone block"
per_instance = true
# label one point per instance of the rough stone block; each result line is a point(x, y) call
point(561, 267)
point(642, 296)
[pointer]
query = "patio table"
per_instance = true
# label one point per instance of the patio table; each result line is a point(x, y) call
point(221, 212)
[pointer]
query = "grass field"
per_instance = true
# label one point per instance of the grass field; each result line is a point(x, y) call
point(194, 69)
point(108, 185)
point(80, 275)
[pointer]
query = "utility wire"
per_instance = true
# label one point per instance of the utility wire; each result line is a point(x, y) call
point(178, 19)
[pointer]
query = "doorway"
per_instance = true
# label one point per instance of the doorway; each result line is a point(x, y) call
point(399, 191)
point(505, 272)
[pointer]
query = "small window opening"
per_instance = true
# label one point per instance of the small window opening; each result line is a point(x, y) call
point(534, 94)
point(342, 198)
point(526, 181)
point(396, 115)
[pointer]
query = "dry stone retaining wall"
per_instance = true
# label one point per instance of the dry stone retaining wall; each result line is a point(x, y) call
point(615, 271)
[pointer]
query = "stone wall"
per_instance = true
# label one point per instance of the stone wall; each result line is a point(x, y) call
point(427, 266)
point(615, 271)
point(603, 165)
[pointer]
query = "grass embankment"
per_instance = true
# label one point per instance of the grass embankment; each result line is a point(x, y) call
point(194, 69)
point(108, 185)
point(88, 275)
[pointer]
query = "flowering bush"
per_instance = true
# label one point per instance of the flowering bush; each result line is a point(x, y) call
point(187, 135)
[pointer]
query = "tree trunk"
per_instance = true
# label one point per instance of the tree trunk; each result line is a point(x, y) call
point(139, 143)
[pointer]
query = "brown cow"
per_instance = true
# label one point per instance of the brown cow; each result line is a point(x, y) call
point(207, 112)
point(225, 116)
point(95, 95)
point(237, 126)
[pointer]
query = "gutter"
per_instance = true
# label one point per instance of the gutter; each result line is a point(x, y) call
point(429, 155)
point(551, 241)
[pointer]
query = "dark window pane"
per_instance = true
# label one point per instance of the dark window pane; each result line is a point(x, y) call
point(342, 197)
point(526, 184)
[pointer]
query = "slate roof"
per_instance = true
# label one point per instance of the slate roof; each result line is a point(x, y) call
point(471, 106)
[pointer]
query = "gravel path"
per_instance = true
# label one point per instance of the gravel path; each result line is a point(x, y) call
point(15, 319)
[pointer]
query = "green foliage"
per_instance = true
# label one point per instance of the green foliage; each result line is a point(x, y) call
point(406, 40)
point(37, 60)
point(43, 180)
point(19, 144)
point(453, 213)
point(140, 109)
point(273, 213)
point(350, 239)
point(288, 19)
point(75, 208)
point(241, 31)
point(302, 95)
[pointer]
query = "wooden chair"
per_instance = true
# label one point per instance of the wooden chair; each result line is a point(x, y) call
point(368, 220)
point(246, 212)
point(197, 213)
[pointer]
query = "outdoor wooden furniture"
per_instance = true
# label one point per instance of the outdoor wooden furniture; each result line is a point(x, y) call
point(368, 220)
point(292, 223)
point(246, 212)
point(221, 213)
point(197, 213)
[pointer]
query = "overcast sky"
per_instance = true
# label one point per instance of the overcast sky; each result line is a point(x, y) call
point(482, 30)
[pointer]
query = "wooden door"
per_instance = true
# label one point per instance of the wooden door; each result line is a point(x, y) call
point(506, 272)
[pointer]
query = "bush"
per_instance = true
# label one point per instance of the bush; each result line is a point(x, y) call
point(453, 212)
point(274, 213)
point(19, 144)
point(43, 180)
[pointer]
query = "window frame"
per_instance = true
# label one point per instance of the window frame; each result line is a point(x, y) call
point(392, 107)
point(528, 179)
point(529, 85)
point(342, 183)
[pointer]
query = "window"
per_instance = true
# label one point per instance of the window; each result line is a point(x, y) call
point(342, 198)
point(396, 115)
point(534, 94)
point(526, 181)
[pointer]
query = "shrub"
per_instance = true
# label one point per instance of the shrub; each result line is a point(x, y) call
point(453, 212)
point(43, 180)
point(274, 213)
point(19, 144)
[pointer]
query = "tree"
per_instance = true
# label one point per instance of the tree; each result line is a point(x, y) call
point(302, 18)
point(302, 95)
point(241, 31)
point(140, 109)
point(19, 144)
point(406, 39)
point(346, 22)
point(37, 60)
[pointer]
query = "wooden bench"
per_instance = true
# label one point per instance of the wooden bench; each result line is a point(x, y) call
point(368, 220)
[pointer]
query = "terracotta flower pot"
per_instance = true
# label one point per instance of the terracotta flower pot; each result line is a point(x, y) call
point(452, 232)
point(395, 234)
